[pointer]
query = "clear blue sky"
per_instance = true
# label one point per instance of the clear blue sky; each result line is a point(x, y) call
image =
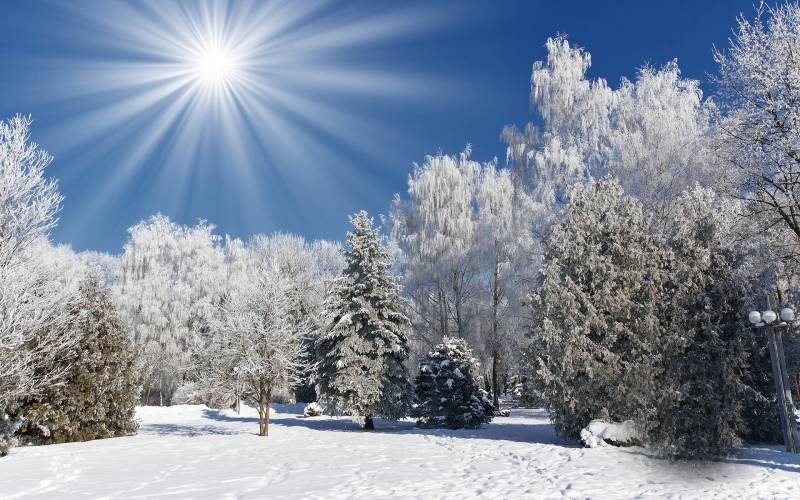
point(354, 94)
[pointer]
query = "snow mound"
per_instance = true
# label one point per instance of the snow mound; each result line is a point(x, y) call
point(601, 433)
point(312, 409)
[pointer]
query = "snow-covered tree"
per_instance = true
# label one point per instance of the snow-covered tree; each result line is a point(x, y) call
point(505, 243)
point(706, 360)
point(32, 300)
point(660, 142)
point(361, 355)
point(448, 388)
point(597, 322)
point(436, 229)
point(29, 201)
point(256, 347)
point(573, 141)
point(759, 93)
point(170, 282)
point(97, 393)
point(653, 134)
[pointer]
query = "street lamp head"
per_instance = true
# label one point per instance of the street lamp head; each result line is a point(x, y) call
point(769, 316)
point(754, 317)
point(787, 314)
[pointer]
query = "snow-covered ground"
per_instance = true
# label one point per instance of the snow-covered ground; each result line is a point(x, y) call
point(195, 452)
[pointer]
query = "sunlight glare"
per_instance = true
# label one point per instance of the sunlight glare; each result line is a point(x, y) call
point(215, 65)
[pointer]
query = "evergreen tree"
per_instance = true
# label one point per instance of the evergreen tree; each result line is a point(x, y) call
point(98, 394)
point(705, 387)
point(598, 330)
point(448, 388)
point(362, 352)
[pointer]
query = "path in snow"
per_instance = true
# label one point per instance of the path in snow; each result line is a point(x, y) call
point(195, 452)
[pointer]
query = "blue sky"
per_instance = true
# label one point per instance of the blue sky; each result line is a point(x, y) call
point(333, 109)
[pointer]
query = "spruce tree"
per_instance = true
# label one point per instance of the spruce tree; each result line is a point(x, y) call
point(99, 389)
point(448, 388)
point(361, 355)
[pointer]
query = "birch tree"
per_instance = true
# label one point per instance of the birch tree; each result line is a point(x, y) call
point(435, 228)
point(759, 90)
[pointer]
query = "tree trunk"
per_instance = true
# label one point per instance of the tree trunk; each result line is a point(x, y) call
point(260, 415)
point(160, 397)
point(264, 398)
point(442, 309)
point(496, 380)
point(147, 394)
point(457, 298)
point(496, 296)
point(369, 425)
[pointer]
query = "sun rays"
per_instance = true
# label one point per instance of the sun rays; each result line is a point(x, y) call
point(242, 102)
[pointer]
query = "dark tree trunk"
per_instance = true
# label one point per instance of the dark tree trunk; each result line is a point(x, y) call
point(146, 401)
point(496, 380)
point(369, 425)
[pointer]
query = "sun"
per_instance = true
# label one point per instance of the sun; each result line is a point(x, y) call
point(215, 65)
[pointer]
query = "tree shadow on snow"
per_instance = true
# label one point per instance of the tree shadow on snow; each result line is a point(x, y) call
point(532, 433)
point(498, 429)
point(763, 456)
point(185, 430)
point(766, 456)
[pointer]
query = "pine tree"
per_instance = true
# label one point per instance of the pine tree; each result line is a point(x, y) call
point(448, 390)
point(362, 353)
point(98, 394)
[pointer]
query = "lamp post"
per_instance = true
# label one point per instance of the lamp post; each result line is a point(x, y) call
point(775, 323)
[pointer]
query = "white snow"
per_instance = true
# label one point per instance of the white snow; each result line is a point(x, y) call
point(195, 452)
point(598, 432)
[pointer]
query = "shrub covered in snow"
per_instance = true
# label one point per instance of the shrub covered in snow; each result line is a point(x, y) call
point(99, 389)
point(312, 409)
point(448, 391)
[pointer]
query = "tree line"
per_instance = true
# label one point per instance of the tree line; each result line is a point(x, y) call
point(603, 271)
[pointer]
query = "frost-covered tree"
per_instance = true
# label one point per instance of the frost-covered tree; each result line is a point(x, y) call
point(256, 347)
point(448, 388)
point(97, 393)
point(573, 141)
point(306, 270)
point(29, 201)
point(661, 138)
point(32, 300)
point(653, 134)
point(598, 317)
point(505, 243)
point(436, 229)
point(170, 282)
point(361, 355)
point(759, 92)
point(706, 359)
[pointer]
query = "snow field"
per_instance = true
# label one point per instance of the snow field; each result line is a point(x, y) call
point(195, 452)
